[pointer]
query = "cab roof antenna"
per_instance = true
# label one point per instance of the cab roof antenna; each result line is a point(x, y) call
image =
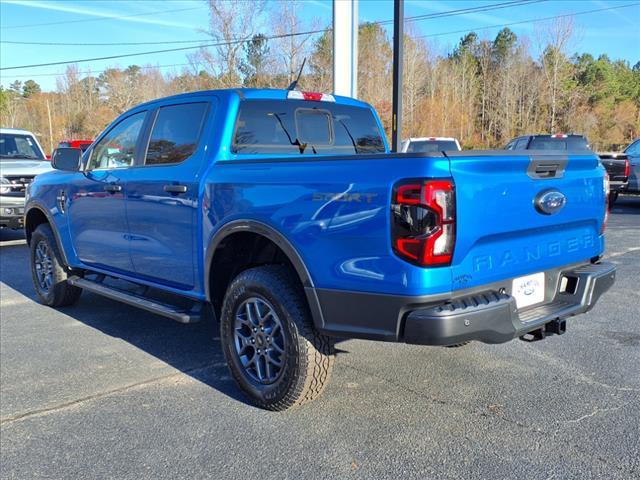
point(294, 84)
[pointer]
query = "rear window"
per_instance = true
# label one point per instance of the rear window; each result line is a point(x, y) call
point(297, 127)
point(431, 146)
point(550, 143)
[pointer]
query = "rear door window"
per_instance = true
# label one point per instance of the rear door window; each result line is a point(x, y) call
point(296, 127)
point(175, 133)
point(521, 144)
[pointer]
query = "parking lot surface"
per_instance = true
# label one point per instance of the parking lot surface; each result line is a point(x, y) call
point(103, 390)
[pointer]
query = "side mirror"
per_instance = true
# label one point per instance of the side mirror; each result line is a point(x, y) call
point(67, 159)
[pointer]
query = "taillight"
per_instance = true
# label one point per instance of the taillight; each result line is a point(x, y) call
point(423, 228)
point(313, 96)
point(627, 167)
point(605, 185)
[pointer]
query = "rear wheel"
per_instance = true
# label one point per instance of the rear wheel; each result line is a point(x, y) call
point(613, 196)
point(48, 272)
point(269, 342)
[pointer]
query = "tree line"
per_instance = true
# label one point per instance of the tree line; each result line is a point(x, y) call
point(484, 91)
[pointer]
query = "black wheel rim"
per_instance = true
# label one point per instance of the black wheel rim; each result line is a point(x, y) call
point(44, 266)
point(259, 340)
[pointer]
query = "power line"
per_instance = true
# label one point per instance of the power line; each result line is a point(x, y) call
point(166, 50)
point(481, 8)
point(464, 11)
point(533, 20)
point(106, 17)
point(89, 72)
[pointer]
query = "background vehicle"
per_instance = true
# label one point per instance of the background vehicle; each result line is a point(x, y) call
point(21, 159)
point(616, 165)
point(618, 168)
point(285, 212)
point(81, 144)
point(430, 144)
point(557, 141)
point(633, 153)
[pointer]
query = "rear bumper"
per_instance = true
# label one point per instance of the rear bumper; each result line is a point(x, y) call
point(492, 317)
point(618, 186)
point(486, 314)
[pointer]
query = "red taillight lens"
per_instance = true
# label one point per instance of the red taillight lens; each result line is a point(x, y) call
point(627, 167)
point(424, 221)
point(315, 96)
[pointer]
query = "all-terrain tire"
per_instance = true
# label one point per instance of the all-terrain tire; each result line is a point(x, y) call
point(307, 357)
point(54, 291)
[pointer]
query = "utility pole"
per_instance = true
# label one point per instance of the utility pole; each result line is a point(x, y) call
point(50, 128)
point(345, 47)
point(398, 40)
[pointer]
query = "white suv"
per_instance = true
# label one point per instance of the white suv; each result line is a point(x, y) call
point(21, 159)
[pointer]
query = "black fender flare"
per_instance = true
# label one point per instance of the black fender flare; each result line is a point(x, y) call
point(35, 205)
point(260, 228)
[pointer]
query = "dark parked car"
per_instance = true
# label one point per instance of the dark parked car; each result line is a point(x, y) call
point(618, 167)
point(633, 153)
point(616, 164)
point(557, 141)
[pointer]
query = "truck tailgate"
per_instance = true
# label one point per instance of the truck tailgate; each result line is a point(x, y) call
point(502, 234)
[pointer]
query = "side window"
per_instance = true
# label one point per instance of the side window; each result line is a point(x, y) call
point(117, 148)
point(521, 144)
point(175, 133)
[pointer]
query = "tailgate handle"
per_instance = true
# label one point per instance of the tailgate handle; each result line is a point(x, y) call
point(546, 167)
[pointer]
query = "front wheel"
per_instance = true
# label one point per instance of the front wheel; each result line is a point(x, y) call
point(48, 271)
point(272, 349)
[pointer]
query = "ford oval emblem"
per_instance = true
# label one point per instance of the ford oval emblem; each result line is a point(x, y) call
point(549, 202)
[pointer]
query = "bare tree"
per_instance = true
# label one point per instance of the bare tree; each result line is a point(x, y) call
point(554, 38)
point(293, 48)
point(231, 23)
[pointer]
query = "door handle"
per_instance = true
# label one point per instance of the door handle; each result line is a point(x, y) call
point(113, 188)
point(175, 189)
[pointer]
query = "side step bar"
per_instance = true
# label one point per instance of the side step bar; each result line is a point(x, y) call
point(163, 309)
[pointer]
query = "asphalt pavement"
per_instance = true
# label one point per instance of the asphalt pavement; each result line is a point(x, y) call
point(103, 390)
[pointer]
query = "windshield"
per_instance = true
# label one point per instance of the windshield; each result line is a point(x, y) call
point(13, 145)
point(305, 128)
point(550, 143)
point(431, 146)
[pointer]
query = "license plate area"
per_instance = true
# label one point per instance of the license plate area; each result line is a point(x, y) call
point(528, 290)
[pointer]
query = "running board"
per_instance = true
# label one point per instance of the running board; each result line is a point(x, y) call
point(163, 309)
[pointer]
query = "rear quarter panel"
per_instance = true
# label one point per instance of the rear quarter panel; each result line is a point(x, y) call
point(335, 213)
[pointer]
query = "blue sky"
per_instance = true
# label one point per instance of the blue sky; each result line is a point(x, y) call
point(614, 32)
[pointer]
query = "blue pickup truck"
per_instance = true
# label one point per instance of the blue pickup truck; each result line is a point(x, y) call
point(284, 214)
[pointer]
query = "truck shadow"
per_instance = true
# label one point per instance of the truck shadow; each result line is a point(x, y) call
point(193, 349)
point(627, 204)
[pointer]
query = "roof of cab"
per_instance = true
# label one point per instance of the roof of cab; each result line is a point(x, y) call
point(19, 131)
point(250, 93)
